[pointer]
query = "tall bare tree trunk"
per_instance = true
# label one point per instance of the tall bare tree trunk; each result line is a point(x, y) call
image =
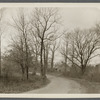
point(26, 65)
point(36, 64)
point(23, 71)
point(47, 52)
point(72, 53)
point(65, 56)
point(22, 61)
point(65, 64)
point(44, 63)
point(26, 59)
point(52, 60)
point(41, 56)
point(0, 56)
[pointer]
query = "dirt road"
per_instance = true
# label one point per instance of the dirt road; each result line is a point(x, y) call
point(60, 85)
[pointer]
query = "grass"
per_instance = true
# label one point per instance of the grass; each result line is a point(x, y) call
point(91, 87)
point(16, 85)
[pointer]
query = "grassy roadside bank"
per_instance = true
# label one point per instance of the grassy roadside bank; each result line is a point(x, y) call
point(16, 85)
point(91, 87)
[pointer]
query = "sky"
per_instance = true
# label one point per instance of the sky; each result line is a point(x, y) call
point(81, 17)
point(72, 17)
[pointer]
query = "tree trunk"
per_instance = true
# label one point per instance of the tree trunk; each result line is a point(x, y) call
point(83, 69)
point(26, 58)
point(44, 64)
point(22, 59)
point(27, 72)
point(66, 57)
point(52, 60)
point(23, 71)
point(0, 56)
point(47, 58)
point(36, 65)
point(41, 57)
point(65, 64)
point(27, 65)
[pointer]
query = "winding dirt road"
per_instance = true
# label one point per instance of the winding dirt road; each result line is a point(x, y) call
point(59, 85)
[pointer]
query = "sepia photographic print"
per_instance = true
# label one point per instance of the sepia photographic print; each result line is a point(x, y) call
point(50, 50)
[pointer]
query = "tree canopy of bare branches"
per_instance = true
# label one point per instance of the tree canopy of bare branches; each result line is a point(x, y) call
point(44, 21)
point(21, 25)
point(82, 46)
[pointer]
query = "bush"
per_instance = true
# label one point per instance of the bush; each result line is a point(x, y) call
point(91, 73)
point(15, 85)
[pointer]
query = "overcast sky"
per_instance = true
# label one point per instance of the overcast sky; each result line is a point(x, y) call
point(84, 17)
point(72, 17)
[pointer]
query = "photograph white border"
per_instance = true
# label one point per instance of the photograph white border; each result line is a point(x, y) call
point(97, 5)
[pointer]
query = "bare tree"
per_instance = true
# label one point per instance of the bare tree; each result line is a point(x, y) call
point(35, 48)
point(1, 32)
point(43, 22)
point(65, 49)
point(17, 54)
point(54, 46)
point(84, 43)
point(46, 53)
point(21, 24)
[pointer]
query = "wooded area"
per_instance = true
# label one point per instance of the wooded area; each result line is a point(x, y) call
point(39, 39)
